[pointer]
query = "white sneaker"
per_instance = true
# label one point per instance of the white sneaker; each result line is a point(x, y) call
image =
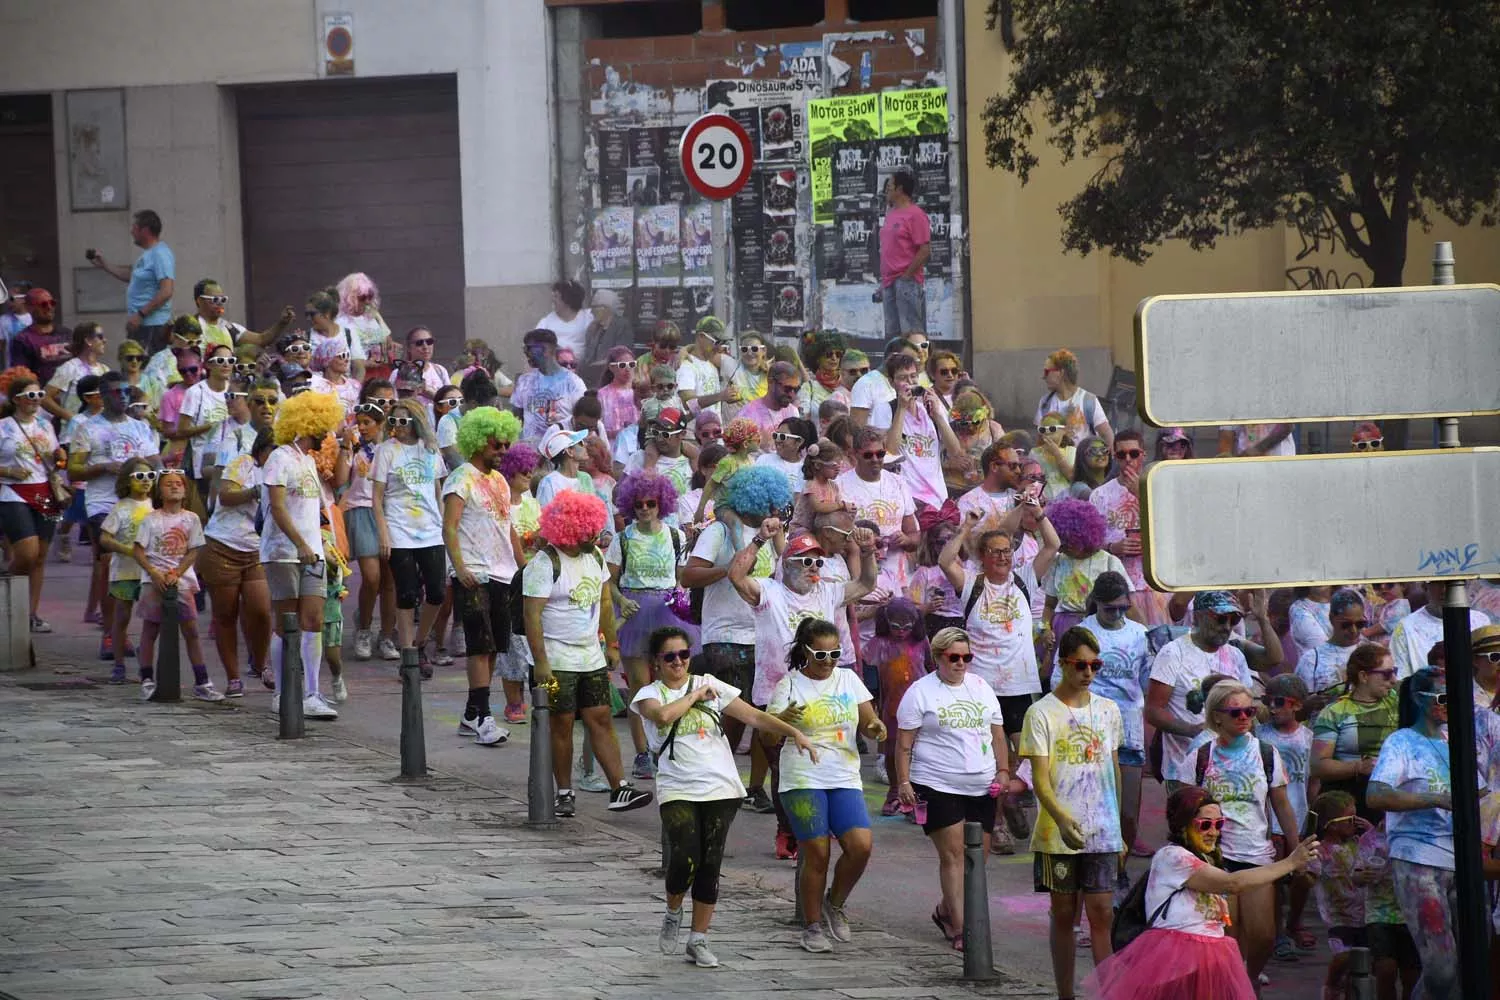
point(364, 644)
point(339, 691)
point(697, 952)
point(879, 770)
point(590, 781)
point(468, 727)
point(207, 692)
point(671, 925)
point(148, 688)
point(314, 707)
point(387, 648)
point(490, 734)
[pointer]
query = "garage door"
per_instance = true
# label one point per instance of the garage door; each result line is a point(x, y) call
point(341, 176)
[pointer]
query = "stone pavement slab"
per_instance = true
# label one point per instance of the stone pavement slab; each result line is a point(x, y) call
point(182, 852)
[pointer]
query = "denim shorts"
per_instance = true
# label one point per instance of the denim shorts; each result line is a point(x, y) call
point(905, 303)
point(1131, 757)
point(817, 812)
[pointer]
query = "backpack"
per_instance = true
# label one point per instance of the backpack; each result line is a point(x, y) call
point(1267, 761)
point(1130, 916)
point(556, 560)
point(676, 547)
point(978, 592)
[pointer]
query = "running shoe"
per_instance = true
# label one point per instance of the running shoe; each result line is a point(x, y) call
point(107, 647)
point(268, 679)
point(314, 707)
point(94, 618)
point(879, 771)
point(516, 715)
point(39, 626)
point(837, 920)
point(786, 847)
point(235, 689)
point(364, 644)
point(490, 735)
point(643, 771)
point(565, 805)
point(699, 955)
point(437, 655)
point(628, 797)
point(117, 673)
point(757, 801)
point(338, 691)
point(814, 940)
point(468, 726)
point(387, 648)
point(671, 924)
point(207, 692)
point(590, 781)
point(148, 688)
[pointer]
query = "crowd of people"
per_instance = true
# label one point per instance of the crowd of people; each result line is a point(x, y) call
point(723, 535)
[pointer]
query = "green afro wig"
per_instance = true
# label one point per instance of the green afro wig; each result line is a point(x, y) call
point(480, 424)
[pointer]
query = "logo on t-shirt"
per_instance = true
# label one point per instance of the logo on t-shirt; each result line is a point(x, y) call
point(962, 715)
point(585, 593)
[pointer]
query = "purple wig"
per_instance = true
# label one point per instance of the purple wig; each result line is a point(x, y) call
point(521, 458)
point(645, 486)
point(1080, 526)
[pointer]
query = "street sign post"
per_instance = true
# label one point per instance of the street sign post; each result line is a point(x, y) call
point(716, 156)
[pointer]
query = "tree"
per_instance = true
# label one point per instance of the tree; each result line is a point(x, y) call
point(1347, 119)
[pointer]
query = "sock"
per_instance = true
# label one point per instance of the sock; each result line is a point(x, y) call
point(147, 671)
point(676, 913)
point(479, 703)
point(565, 791)
point(277, 643)
point(696, 937)
point(200, 674)
point(312, 660)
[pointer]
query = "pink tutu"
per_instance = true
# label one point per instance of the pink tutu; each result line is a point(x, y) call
point(1172, 965)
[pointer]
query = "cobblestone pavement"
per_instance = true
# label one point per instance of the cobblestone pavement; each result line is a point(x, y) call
point(180, 851)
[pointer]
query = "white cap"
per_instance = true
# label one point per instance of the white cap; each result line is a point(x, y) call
point(556, 440)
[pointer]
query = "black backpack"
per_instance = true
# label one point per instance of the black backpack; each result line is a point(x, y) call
point(978, 592)
point(1130, 916)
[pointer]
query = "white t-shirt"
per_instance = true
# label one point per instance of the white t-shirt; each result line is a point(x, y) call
point(367, 338)
point(235, 526)
point(1080, 744)
point(888, 503)
point(922, 471)
point(699, 377)
point(1236, 776)
point(545, 400)
point(347, 391)
point(484, 525)
point(447, 430)
point(1417, 633)
point(1127, 668)
point(570, 619)
point(167, 538)
point(699, 766)
point(1082, 413)
point(651, 562)
point(1122, 511)
point(830, 717)
point(65, 380)
point(107, 441)
point(1246, 435)
point(875, 393)
point(988, 504)
point(202, 404)
point(1000, 638)
point(31, 447)
point(411, 474)
point(353, 342)
point(679, 470)
point(571, 333)
point(954, 750)
point(124, 525)
point(792, 470)
point(1203, 913)
point(555, 482)
point(726, 616)
point(1323, 666)
point(1295, 749)
point(298, 473)
point(360, 492)
point(777, 616)
point(1181, 665)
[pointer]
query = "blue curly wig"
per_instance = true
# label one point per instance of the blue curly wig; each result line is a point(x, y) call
point(1079, 524)
point(645, 486)
point(756, 491)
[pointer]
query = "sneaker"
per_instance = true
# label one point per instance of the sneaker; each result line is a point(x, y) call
point(424, 665)
point(786, 847)
point(837, 920)
point(515, 715)
point(671, 923)
point(628, 797)
point(437, 656)
point(39, 626)
point(1016, 819)
point(314, 707)
point(879, 773)
point(338, 692)
point(387, 648)
point(490, 735)
point(148, 688)
point(643, 771)
point(235, 689)
point(757, 801)
point(65, 552)
point(565, 805)
point(364, 644)
point(1001, 842)
point(814, 940)
point(94, 618)
point(107, 648)
point(699, 955)
point(590, 781)
point(117, 674)
point(129, 649)
point(207, 692)
point(268, 679)
point(457, 644)
point(467, 726)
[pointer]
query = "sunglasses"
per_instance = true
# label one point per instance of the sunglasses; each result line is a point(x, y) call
point(187, 342)
point(215, 300)
point(173, 472)
point(569, 365)
point(645, 504)
point(1093, 666)
point(751, 349)
point(670, 434)
point(1373, 444)
point(1362, 623)
point(1205, 825)
point(1050, 429)
point(663, 386)
point(623, 365)
point(300, 347)
point(341, 356)
point(873, 455)
point(144, 475)
point(824, 655)
point(1283, 702)
point(1231, 619)
point(310, 314)
point(264, 400)
point(224, 360)
point(1018, 466)
point(808, 562)
point(859, 371)
point(189, 370)
point(1129, 453)
point(1033, 479)
point(1386, 672)
point(421, 343)
point(711, 434)
point(1436, 697)
point(137, 358)
point(236, 395)
point(448, 403)
point(677, 656)
point(1492, 657)
point(959, 657)
point(369, 410)
point(781, 437)
point(1238, 713)
point(1118, 609)
point(398, 421)
point(245, 368)
point(947, 371)
point(30, 394)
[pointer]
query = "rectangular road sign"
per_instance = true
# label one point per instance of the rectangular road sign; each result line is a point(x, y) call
point(1281, 357)
point(1313, 520)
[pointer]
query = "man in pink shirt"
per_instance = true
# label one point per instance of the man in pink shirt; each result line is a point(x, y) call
point(780, 401)
point(905, 245)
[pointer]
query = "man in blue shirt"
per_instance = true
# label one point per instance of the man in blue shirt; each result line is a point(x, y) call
point(149, 284)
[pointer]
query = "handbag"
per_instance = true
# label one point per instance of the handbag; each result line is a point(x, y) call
point(50, 499)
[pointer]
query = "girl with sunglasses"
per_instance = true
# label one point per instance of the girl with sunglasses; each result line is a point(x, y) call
point(1349, 732)
point(330, 365)
point(1091, 468)
point(617, 392)
point(752, 375)
point(117, 537)
point(167, 544)
point(87, 359)
point(793, 440)
point(697, 780)
point(364, 538)
point(205, 407)
point(29, 508)
point(1286, 694)
point(1184, 953)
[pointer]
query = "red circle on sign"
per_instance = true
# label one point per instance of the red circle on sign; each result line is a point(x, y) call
point(340, 42)
point(688, 155)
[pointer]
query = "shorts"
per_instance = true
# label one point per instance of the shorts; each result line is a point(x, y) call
point(730, 662)
point(18, 522)
point(1070, 873)
point(1231, 865)
point(290, 581)
point(817, 812)
point(418, 573)
point(1131, 757)
point(485, 614)
point(1393, 941)
point(151, 605)
point(1013, 711)
point(945, 809)
point(125, 590)
point(905, 304)
point(96, 528)
point(364, 537)
point(221, 566)
point(578, 691)
point(514, 664)
point(1341, 939)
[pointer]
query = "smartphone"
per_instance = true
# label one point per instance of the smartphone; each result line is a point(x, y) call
point(91, 253)
point(1309, 827)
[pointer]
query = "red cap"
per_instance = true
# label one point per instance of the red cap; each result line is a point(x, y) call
point(671, 416)
point(801, 546)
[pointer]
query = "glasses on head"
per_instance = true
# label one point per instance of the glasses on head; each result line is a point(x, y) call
point(369, 410)
point(424, 342)
point(86, 395)
point(875, 456)
point(144, 475)
point(959, 657)
point(836, 529)
point(1093, 666)
point(236, 395)
point(807, 562)
point(1373, 444)
point(1281, 701)
point(751, 349)
point(1205, 825)
point(1436, 697)
point(824, 655)
point(1356, 626)
point(215, 300)
point(1231, 618)
point(1128, 453)
point(264, 400)
point(396, 420)
point(31, 394)
point(624, 366)
point(224, 361)
point(676, 656)
point(645, 503)
point(1238, 713)
point(782, 437)
point(173, 472)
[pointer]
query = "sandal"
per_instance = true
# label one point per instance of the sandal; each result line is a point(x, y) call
point(942, 925)
point(1305, 940)
point(1284, 952)
point(956, 941)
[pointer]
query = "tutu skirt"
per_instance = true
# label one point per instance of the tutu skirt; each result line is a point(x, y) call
point(1172, 965)
point(654, 613)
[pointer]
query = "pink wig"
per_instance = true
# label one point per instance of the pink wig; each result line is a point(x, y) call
point(1079, 524)
point(353, 289)
point(573, 518)
point(645, 486)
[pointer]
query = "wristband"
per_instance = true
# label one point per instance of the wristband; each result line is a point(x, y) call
point(759, 540)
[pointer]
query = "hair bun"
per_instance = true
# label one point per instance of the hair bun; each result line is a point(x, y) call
point(812, 451)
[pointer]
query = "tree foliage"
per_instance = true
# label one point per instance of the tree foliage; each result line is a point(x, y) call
point(1348, 119)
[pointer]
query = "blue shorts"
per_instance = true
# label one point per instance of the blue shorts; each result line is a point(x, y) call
point(1132, 758)
point(817, 812)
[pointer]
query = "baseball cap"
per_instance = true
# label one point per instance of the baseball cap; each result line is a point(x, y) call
point(671, 416)
point(1486, 640)
point(1217, 601)
point(556, 441)
point(608, 299)
point(1171, 435)
point(287, 372)
point(801, 546)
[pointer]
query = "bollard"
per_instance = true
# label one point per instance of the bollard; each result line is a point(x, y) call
point(539, 786)
point(979, 963)
point(168, 651)
point(1361, 982)
point(290, 691)
point(413, 733)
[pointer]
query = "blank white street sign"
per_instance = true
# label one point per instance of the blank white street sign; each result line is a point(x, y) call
point(1313, 520)
point(1280, 357)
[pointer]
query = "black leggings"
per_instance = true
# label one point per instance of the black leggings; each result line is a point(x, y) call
point(695, 834)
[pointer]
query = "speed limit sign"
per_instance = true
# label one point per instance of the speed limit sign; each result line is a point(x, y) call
point(716, 156)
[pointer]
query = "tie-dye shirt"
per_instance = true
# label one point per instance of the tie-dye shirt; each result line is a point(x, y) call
point(1122, 512)
point(1193, 912)
point(1070, 580)
point(167, 538)
point(1080, 744)
point(124, 525)
point(1295, 749)
point(1413, 762)
point(411, 474)
point(1236, 776)
point(830, 715)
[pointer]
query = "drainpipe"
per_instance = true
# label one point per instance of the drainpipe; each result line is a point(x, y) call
point(951, 24)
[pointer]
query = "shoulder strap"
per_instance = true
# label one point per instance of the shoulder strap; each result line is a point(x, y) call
point(676, 545)
point(1202, 768)
point(974, 596)
point(624, 550)
point(1156, 914)
point(1021, 586)
point(556, 562)
point(1267, 760)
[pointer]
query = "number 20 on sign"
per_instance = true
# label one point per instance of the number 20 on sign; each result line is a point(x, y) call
point(716, 156)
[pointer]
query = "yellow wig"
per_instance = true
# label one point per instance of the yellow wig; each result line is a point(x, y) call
point(308, 414)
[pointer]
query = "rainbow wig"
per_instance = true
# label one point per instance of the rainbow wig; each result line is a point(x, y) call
point(476, 427)
point(308, 414)
point(740, 432)
point(645, 486)
point(1066, 362)
point(756, 490)
point(521, 459)
point(573, 518)
point(11, 376)
point(1080, 526)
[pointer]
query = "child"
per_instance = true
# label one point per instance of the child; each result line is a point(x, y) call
point(117, 535)
point(820, 494)
point(1341, 900)
point(1285, 696)
point(742, 438)
point(1070, 579)
point(895, 658)
point(1056, 453)
point(930, 588)
point(334, 469)
point(793, 441)
point(166, 546)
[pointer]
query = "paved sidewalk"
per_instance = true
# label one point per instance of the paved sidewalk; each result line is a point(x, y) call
point(180, 851)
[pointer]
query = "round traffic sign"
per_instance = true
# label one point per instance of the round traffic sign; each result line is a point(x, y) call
point(716, 156)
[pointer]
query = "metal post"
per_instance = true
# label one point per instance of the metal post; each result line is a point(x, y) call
point(413, 734)
point(979, 963)
point(291, 677)
point(539, 785)
point(1472, 918)
point(168, 651)
point(1361, 982)
point(1445, 431)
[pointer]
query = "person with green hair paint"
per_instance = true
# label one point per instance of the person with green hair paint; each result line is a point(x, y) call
point(485, 554)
